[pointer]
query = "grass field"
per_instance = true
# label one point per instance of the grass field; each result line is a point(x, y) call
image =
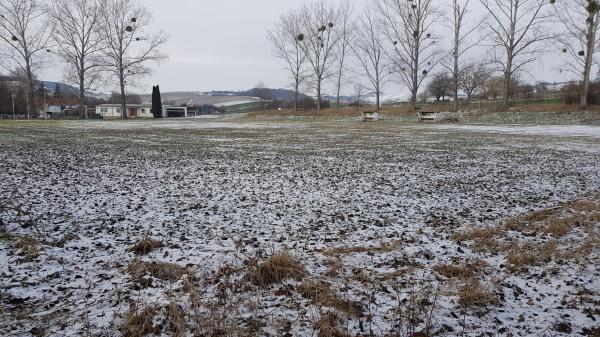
point(246, 228)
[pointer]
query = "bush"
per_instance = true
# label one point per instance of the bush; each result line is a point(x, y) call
point(571, 92)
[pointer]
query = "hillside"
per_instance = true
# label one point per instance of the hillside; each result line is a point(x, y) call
point(224, 98)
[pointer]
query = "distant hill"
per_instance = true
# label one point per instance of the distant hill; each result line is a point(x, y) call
point(64, 88)
point(224, 98)
point(191, 98)
point(273, 94)
point(50, 86)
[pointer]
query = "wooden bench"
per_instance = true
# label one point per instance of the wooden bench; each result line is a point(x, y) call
point(426, 116)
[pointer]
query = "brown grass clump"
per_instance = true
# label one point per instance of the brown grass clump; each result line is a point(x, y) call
point(320, 293)
point(327, 326)
point(161, 270)
point(525, 221)
point(537, 216)
point(176, 318)
point(489, 245)
point(66, 238)
point(29, 248)
point(139, 323)
point(584, 205)
point(460, 271)
point(145, 246)
point(382, 248)
point(335, 265)
point(280, 266)
point(520, 257)
point(473, 294)
point(559, 227)
point(476, 233)
point(581, 251)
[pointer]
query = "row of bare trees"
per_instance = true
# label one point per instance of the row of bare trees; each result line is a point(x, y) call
point(403, 41)
point(95, 39)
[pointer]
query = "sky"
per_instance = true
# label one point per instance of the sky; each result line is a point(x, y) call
point(222, 45)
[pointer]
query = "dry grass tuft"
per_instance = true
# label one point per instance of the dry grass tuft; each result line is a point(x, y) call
point(335, 265)
point(382, 248)
point(461, 271)
point(584, 205)
point(327, 326)
point(160, 270)
point(320, 293)
point(280, 266)
point(520, 257)
point(489, 245)
point(146, 246)
point(29, 248)
point(176, 318)
point(476, 233)
point(525, 221)
point(139, 323)
point(473, 294)
point(559, 227)
point(66, 238)
point(581, 251)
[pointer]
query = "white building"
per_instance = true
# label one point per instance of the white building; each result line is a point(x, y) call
point(133, 111)
point(109, 111)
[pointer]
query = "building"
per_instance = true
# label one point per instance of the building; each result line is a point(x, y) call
point(60, 108)
point(109, 111)
point(133, 111)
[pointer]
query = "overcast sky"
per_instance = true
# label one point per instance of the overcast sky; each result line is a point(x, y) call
point(222, 45)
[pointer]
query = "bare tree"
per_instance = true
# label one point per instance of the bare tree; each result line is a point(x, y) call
point(346, 33)
point(358, 95)
point(78, 41)
point(409, 26)
point(25, 34)
point(319, 43)
point(440, 86)
point(286, 38)
point(494, 87)
point(128, 46)
point(368, 51)
point(461, 41)
point(580, 38)
point(473, 78)
point(517, 31)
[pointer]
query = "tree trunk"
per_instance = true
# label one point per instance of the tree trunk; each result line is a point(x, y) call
point(123, 99)
point(455, 84)
point(589, 59)
point(82, 109)
point(339, 85)
point(510, 55)
point(377, 104)
point(296, 88)
point(506, 89)
point(415, 76)
point(318, 95)
point(456, 66)
point(30, 94)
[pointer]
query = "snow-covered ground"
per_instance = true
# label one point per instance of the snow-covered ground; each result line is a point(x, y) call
point(547, 130)
point(372, 213)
